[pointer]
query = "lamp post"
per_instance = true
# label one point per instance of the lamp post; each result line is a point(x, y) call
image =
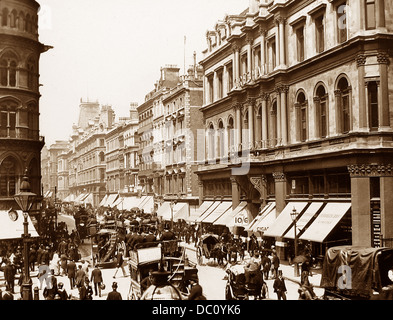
point(25, 200)
point(294, 215)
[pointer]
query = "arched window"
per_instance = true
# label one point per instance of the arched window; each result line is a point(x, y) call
point(8, 69)
point(231, 133)
point(221, 139)
point(343, 106)
point(211, 142)
point(21, 21)
point(321, 109)
point(13, 17)
point(302, 117)
point(8, 177)
point(28, 23)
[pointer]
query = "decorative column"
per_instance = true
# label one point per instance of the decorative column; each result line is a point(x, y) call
point(280, 193)
point(386, 198)
point(236, 63)
point(238, 128)
point(360, 202)
point(264, 116)
point(279, 115)
point(249, 41)
point(263, 32)
point(363, 118)
point(383, 93)
point(281, 39)
point(284, 126)
point(251, 103)
point(235, 193)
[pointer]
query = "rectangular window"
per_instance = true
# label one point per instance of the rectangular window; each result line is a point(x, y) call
point(220, 88)
point(342, 27)
point(373, 104)
point(303, 119)
point(370, 14)
point(300, 43)
point(323, 119)
point(211, 89)
point(273, 55)
point(320, 34)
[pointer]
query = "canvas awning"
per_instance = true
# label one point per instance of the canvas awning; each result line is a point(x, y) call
point(180, 211)
point(14, 229)
point(103, 201)
point(69, 198)
point(220, 210)
point(265, 219)
point(79, 199)
point(284, 220)
point(147, 205)
point(111, 199)
point(303, 220)
point(199, 211)
point(130, 202)
point(241, 219)
point(164, 210)
point(208, 211)
point(325, 222)
point(226, 219)
point(88, 199)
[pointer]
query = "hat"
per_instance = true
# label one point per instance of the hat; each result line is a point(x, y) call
point(194, 277)
point(114, 284)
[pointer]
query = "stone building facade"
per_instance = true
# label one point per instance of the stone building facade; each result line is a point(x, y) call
point(297, 108)
point(21, 143)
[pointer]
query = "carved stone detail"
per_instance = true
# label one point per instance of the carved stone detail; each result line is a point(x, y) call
point(279, 176)
point(370, 170)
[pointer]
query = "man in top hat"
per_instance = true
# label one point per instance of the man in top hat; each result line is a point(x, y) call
point(196, 292)
point(279, 287)
point(114, 295)
point(150, 237)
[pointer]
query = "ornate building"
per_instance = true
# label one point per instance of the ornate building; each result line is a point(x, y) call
point(21, 143)
point(297, 103)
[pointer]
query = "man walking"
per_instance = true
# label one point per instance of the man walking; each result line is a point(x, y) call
point(71, 272)
point(120, 262)
point(96, 278)
point(114, 295)
point(279, 287)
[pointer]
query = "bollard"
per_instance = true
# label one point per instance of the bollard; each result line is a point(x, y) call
point(36, 293)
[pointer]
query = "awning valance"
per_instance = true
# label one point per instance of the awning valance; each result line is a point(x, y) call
point(325, 222)
point(88, 199)
point(10, 229)
point(220, 210)
point(226, 220)
point(264, 219)
point(208, 211)
point(241, 219)
point(180, 211)
point(103, 201)
point(304, 219)
point(164, 210)
point(111, 199)
point(284, 220)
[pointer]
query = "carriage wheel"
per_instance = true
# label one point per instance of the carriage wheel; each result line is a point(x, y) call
point(228, 294)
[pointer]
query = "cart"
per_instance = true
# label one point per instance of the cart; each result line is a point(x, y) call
point(237, 289)
point(206, 247)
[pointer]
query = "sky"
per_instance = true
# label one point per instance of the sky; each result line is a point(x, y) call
point(112, 51)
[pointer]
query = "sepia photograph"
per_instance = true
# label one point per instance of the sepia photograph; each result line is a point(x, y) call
point(211, 150)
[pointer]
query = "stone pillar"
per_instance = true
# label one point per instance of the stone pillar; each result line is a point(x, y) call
point(238, 127)
point(263, 51)
point(361, 206)
point(386, 198)
point(235, 193)
point(264, 116)
point(279, 115)
point(236, 63)
point(249, 40)
point(284, 126)
point(363, 118)
point(281, 40)
point(251, 121)
point(383, 93)
point(281, 194)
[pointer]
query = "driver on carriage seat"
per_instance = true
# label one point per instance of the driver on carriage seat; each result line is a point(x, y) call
point(252, 268)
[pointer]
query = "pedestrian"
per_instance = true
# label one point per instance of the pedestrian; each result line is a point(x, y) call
point(32, 257)
point(63, 264)
point(97, 279)
point(80, 277)
point(51, 286)
point(55, 263)
point(114, 295)
point(276, 264)
point(196, 292)
point(279, 287)
point(120, 262)
point(9, 276)
point(61, 291)
point(71, 272)
point(266, 265)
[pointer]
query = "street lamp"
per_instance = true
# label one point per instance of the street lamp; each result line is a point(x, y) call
point(25, 200)
point(294, 215)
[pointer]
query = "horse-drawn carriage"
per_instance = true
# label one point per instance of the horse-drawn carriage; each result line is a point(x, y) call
point(210, 247)
point(237, 287)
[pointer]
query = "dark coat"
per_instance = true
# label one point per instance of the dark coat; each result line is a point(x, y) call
point(279, 285)
point(195, 293)
point(114, 295)
point(96, 276)
point(71, 269)
point(9, 273)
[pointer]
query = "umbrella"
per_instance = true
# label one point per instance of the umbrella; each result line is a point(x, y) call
point(300, 259)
